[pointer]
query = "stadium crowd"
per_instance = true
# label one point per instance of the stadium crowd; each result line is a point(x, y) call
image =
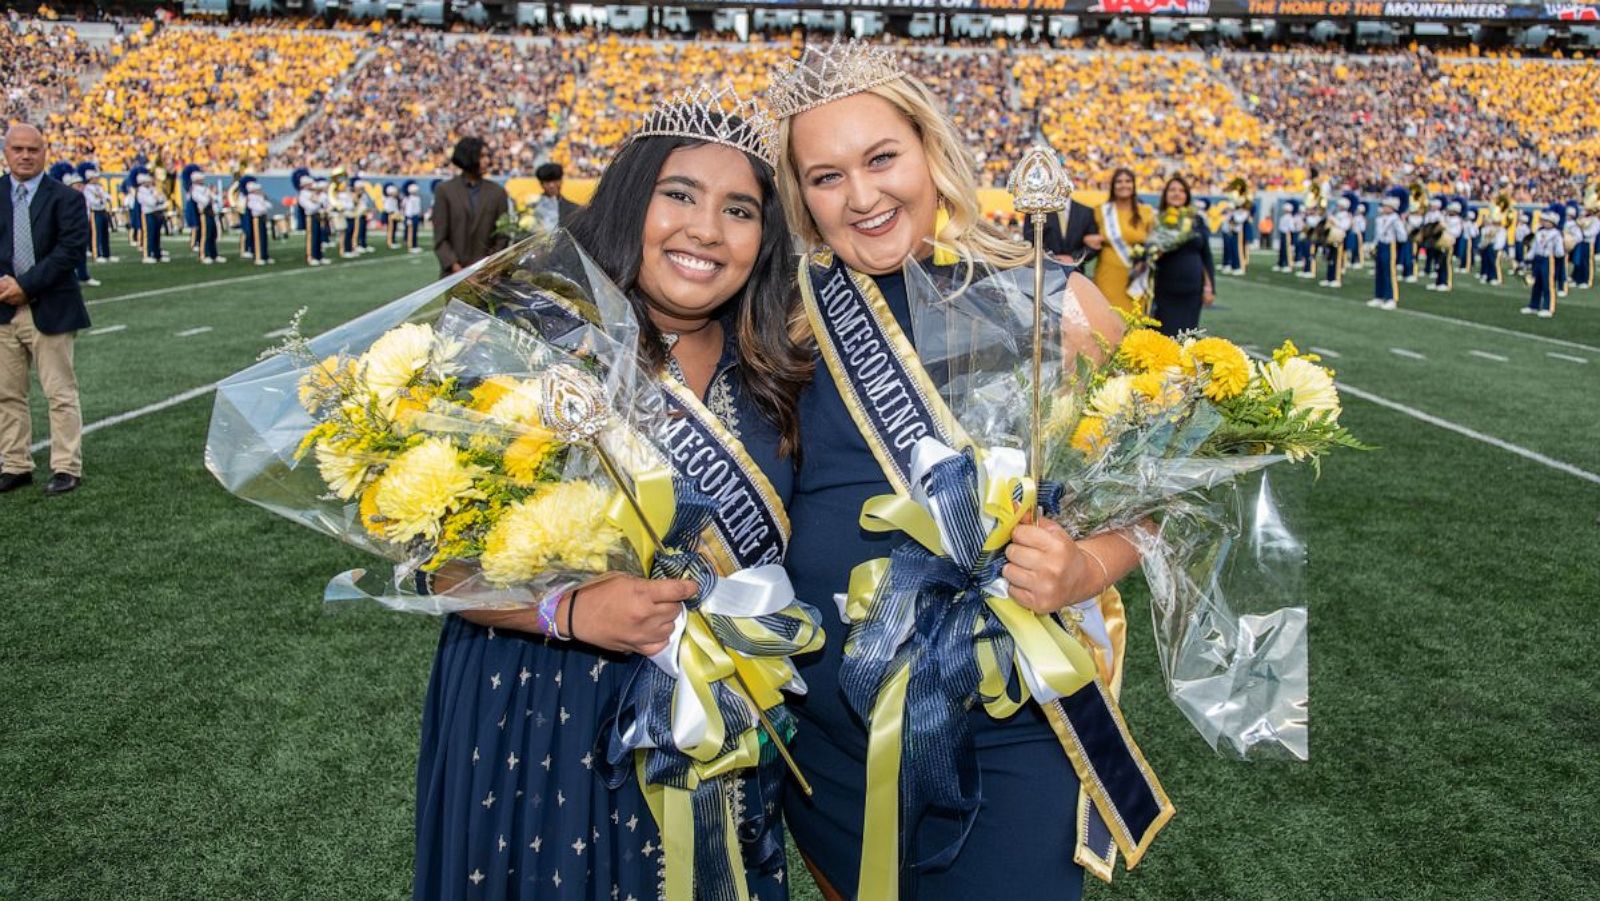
point(417, 94)
point(217, 98)
point(43, 71)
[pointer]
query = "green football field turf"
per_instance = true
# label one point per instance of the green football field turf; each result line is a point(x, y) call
point(180, 718)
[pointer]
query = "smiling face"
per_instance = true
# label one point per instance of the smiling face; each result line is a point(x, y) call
point(702, 233)
point(1176, 194)
point(1122, 186)
point(866, 182)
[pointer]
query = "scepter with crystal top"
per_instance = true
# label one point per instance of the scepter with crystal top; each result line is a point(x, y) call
point(1038, 187)
point(574, 406)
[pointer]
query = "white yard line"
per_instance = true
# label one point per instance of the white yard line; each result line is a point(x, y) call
point(278, 333)
point(120, 418)
point(1409, 354)
point(238, 280)
point(1467, 323)
point(1489, 356)
point(1324, 352)
point(191, 332)
point(105, 330)
point(1567, 357)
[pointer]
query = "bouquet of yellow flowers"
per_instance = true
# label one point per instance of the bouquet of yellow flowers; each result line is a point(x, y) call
point(1165, 440)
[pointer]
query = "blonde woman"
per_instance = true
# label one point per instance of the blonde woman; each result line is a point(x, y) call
point(867, 162)
point(1123, 224)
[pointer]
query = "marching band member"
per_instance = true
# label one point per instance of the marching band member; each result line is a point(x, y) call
point(1577, 245)
point(1521, 239)
point(1288, 236)
point(1570, 236)
point(1542, 258)
point(411, 209)
point(363, 209)
point(1444, 254)
point(1430, 250)
point(390, 214)
point(205, 210)
point(191, 211)
point(1230, 246)
point(258, 211)
point(130, 208)
point(1339, 223)
point(1355, 241)
point(240, 190)
point(1412, 208)
point(309, 203)
point(1589, 223)
point(153, 212)
point(1491, 243)
point(1471, 229)
point(68, 175)
point(99, 201)
point(1312, 226)
point(1390, 234)
point(341, 210)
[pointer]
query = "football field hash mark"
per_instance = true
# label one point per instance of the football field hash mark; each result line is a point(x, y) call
point(1568, 357)
point(1323, 351)
point(191, 332)
point(106, 330)
point(1489, 356)
point(1408, 354)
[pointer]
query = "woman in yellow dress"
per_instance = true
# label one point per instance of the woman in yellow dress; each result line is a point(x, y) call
point(1122, 222)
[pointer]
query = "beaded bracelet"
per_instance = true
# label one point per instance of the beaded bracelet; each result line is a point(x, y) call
point(547, 614)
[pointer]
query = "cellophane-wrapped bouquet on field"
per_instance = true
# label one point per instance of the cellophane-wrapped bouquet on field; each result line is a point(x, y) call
point(1167, 440)
point(493, 436)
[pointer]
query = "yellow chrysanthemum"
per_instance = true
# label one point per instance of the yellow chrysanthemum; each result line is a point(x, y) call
point(1289, 352)
point(520, 404)
point(524, 456)
point(342, 467)
point(561, 527)
point(487, 394)
point(1160, 388)
point(1147, 350)
point(371, 519)
point(395, 360)
point(1089, 437)
point(1310, 385)
point(421, 486)
point(1114, 397)
point(1225, 365)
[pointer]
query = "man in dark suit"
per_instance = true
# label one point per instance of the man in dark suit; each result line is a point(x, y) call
point(465, 210)
point(44, 234)
point(1064, 233)
point(551, 209)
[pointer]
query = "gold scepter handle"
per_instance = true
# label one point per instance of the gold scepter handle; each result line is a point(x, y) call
point(1039, 187)
point(573, 406)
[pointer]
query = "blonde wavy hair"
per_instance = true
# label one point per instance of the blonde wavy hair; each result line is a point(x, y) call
point(950, 165)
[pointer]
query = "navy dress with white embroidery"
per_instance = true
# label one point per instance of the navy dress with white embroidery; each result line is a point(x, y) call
point(510, 801)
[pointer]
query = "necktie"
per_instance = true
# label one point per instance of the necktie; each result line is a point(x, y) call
point(21, 232)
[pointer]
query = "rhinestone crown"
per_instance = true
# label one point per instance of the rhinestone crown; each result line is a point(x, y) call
point(718, 115)
point(827, 73)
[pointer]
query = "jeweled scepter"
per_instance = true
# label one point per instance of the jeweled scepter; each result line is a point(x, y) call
point(1038, 187)
point(575, 407)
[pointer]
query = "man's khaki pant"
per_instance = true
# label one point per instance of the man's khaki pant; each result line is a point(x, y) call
point(21, 345)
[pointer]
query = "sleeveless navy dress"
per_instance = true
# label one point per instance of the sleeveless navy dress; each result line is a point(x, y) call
point(1020, 847)
point(511, 805)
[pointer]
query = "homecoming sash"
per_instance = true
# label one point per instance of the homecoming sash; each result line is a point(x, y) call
point(933, 626)
point(683, 722)
point(1108, 212)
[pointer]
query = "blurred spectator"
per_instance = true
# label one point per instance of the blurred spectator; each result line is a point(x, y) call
point(43, 70)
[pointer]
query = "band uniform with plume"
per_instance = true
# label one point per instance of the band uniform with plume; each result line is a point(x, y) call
point(826, 73)
point(717, 115)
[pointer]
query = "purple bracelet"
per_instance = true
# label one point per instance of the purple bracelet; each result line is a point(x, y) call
point(547, 614)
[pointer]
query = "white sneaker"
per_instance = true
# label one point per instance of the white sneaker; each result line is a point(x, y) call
point(166, 258)
point(272, 260)
point(219, 259)
point(110, 260)
point(1374, 302)
point(90, 283)
point(1336, 284)
point(261, 262)
point(1527, 311)
point(1412, 279)
point(415, 250)
point(1547, 314)
point(205, 261)
point(149, 260)
point(1390, 304)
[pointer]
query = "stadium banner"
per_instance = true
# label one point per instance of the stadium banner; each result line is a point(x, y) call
point(1413, 10)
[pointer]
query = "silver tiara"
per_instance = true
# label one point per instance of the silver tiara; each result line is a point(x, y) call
point(718, 115)
point(827, 73)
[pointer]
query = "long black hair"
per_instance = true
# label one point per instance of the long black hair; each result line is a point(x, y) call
point(1111, 191)
point(1188, 195)
point(772, 367)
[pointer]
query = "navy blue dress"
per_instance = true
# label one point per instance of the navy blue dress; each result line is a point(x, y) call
point(1021, 844)
point(511, 805)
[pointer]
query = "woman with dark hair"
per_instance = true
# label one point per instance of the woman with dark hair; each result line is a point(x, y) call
point(1123, 224)
point(1184, 275)
point(511, 802)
